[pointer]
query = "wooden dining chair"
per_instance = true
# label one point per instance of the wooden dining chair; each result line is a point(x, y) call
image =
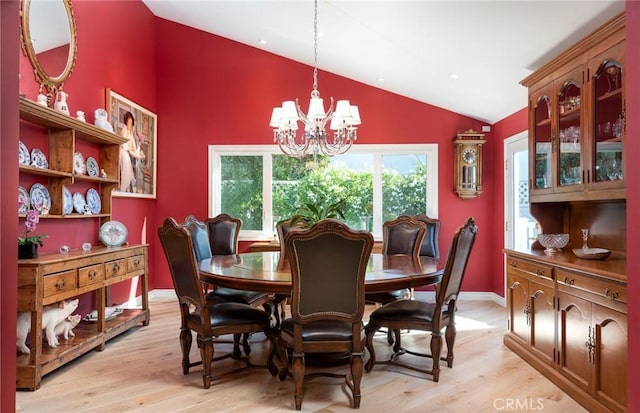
point(427, 316)
point(430, 242)
point(403, 236)
point(206, 319)
point(199, 232)
point(328, 266)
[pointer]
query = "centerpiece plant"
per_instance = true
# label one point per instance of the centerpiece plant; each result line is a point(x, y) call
point(312, 212)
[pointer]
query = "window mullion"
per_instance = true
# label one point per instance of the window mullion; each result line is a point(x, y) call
point(377, 194)
point(267, 199)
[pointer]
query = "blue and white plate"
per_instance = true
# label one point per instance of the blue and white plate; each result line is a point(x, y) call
point(92, 167)
point(23, 200)
point(113, 233)
point(67, 201)
point(93, 200)
point(40, 199)
point(38, 159)
point(79, 202)
point(23, 154)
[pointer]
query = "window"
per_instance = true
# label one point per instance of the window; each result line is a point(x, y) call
point(262, 186)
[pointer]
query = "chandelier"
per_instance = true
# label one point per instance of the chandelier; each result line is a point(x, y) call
point(313, 138)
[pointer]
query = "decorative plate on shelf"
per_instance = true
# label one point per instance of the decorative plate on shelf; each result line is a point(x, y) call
point(38, 159)
point(23, 154)
point(92, 167)
point(79, 167)
point(23, 200)
point(592, 253)
point(109, 314)
point(113, 233)
point(93, 200)
point(67, 201)
point(79, 202)
point(40, 198)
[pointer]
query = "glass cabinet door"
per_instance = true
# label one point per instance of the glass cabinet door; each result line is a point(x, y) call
point(569, 135)
point(542, 162)
point(608, 120)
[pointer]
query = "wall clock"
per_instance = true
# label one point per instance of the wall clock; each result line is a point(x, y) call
point(467, 176)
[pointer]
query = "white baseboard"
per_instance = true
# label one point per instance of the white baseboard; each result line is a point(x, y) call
point(420, 295)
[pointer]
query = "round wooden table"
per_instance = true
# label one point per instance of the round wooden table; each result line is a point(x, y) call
point(264, 271)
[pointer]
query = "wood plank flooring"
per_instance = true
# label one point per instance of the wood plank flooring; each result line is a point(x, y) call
point(140, 371)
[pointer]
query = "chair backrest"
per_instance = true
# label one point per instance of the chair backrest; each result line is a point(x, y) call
point(199, 237)
point(454, 269)
point(224, 231)
point(328, 267)
point(402, 235)
point(283, 229)
point(178, 249)
point(429, 246)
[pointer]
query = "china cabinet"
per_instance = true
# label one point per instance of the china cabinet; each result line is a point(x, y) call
point(567, 316)
point(577, 121)
point(54, 277)
point(64, 133)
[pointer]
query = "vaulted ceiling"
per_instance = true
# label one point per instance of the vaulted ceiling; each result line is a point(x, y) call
point(465, 56)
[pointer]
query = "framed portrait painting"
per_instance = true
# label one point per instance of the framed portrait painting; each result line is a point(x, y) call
point(138, 156)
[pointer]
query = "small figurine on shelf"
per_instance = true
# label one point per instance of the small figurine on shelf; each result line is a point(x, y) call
point(101, 120)
point(103, 174)
point(60, 104)
point(80, 116)
point(42, 100)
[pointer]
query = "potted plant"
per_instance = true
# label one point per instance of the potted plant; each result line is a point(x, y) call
point(312, 212)
point(28, 245)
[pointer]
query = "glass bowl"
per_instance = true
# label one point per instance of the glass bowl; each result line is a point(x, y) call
point(553, 242)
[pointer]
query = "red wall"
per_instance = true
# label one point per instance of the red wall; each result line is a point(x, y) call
point(216, 91)
point(116, 49)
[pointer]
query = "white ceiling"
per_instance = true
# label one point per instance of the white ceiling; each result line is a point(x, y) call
point(415, 46)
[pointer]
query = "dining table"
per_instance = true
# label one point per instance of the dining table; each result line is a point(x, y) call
point(267, 272)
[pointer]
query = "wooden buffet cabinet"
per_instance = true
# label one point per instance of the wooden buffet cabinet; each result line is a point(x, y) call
point(53, 277)
point(567, 316)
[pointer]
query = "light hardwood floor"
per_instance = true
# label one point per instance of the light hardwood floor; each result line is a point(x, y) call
point(140, 371)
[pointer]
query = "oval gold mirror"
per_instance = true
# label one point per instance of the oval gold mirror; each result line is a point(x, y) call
point(49, 41)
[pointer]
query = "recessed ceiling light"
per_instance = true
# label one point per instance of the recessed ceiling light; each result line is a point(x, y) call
point(262, 41)
point(380, 80)
point(453, 75)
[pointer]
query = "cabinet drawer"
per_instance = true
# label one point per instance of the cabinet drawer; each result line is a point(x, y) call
point(60, 282)
point(135, 263)
point(91, 274)
point(604, 288)
point(534, 268)
point(115, 268)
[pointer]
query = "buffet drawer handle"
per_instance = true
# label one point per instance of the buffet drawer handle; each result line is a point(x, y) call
point(513, 264)
point(539, 271)
point(60, 284)
point(611, 295)
point(116, 267)
point(93, 274)
point(569, 281)
point(136, 262)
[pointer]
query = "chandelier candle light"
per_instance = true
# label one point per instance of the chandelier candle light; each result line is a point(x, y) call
point(315, 140)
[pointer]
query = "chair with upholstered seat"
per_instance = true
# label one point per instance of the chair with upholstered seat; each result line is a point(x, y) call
point(207, 320)
point(430, 243)
point(427, 316)
point(403, 236)
point(328, 265)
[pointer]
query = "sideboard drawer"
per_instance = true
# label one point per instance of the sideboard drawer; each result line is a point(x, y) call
point(604, 288)
point(60, 282)
point(135, 263)
point(115, 268)
point(530, 267)
point(90, 274)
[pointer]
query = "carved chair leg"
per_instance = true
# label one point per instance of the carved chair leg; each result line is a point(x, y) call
point(370, 330)
point(298, 377)
point(450, 337)
point(206, 353)
point(236, 345)
point(185, 345)
point(245, 344)
point(281, 347)
point(436, 345)
point(356, 374)
point(389, 336)
point(398, 345)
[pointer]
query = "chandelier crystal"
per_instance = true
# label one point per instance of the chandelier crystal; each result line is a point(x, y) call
point(313, 138)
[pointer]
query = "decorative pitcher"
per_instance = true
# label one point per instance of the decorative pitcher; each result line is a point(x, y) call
point(61, 102)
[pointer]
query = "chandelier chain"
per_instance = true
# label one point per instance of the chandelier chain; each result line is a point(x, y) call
point(315, 48)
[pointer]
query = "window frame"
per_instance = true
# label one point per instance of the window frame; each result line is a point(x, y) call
point(377, 150)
